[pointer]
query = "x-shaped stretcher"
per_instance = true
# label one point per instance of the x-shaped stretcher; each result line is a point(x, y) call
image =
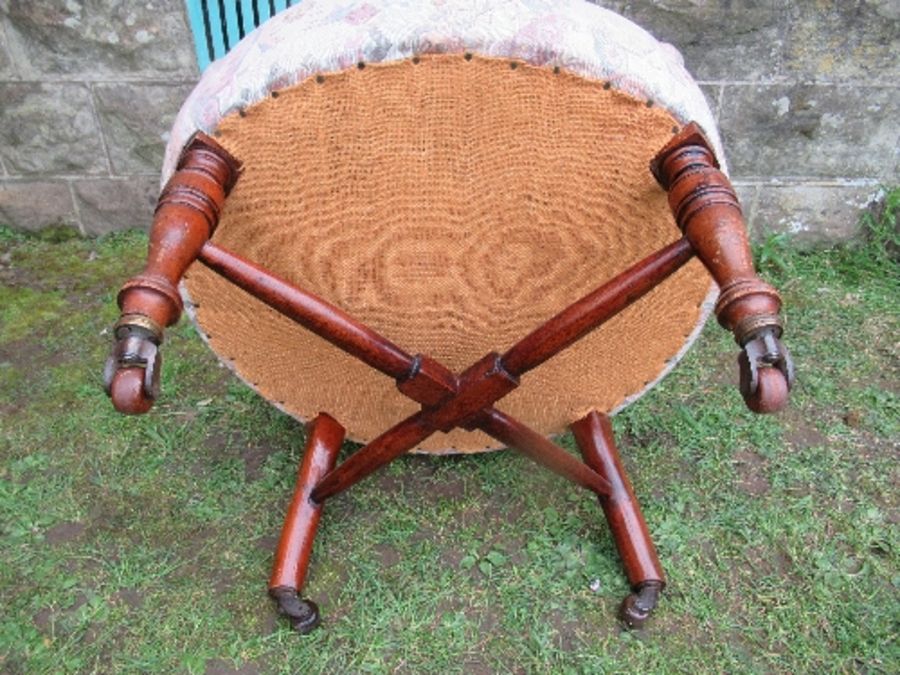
point(706, 210)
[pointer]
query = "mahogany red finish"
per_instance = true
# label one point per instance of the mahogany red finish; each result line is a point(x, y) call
point(594, 436)
point(324, 440)
point(301, 522)
point(310, 311)
point(706, 210)
point(594, 309)
point(448, 401)
point(540, 449)
point(186, 216)
point(397, 440)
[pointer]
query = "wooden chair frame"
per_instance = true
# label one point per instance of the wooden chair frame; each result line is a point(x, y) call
point(706, 210)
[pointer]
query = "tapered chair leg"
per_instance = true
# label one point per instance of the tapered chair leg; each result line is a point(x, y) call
point(301, 523)
point(594, 437)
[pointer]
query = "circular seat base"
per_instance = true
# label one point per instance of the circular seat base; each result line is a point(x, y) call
point(453, 203)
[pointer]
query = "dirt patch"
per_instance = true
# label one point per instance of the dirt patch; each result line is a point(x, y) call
point(892, 516)
point(676, 470)
point(118, 515)
point(44, 619)
point(10, 409)
point(762, 561)
point(451, 556)
point(476, 667)
point(801, 433)
point(723, 370)
point(386, 555)
point(448, 605)
point(63, 533)
point(452, 490)
point(854, 418)
point(223, 583)
point(489, 620)
point(568, 636)
point(424, 533)
point(267, 543)
point(87, 568)
point(514, 513)
point(224, 667)
point(27, 353)
point(215, 450)
point(751, 468)
point(219, 581)
point(664, 624)
point(255, 458)
point(498, 502)
point(49, 619)
point(387, 484)
point(130, 597)
point(267, 619)
point(418, 476)
point(11, 275)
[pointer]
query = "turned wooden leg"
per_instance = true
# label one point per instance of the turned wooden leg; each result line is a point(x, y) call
point(185, 218)
point(594, 436)
point(706, 209)
point(301, 523)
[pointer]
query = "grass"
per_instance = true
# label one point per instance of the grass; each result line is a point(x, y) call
point(143, 544)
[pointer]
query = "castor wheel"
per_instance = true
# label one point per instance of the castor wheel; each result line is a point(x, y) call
point(303, 614)
point(637, 607)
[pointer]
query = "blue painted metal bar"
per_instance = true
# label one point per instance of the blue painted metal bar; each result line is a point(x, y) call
point(245, 15)
point(218, 25)
point(231, 22)
point(266, 10)
point(196, 18)
point(215, 23)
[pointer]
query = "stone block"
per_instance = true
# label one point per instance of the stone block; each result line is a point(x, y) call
point(713, 94)
point(136, 119)
point(100, 39)
point(720, 40)
point(35, 204)
point(813, 215)
point(110, 204)
point(747, 194)
point(49, 128)
point(613, 5)
point(7, 69)
point(813, 131)
point(843, 42)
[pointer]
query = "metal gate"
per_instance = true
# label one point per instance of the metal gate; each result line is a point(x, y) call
point(218, 25)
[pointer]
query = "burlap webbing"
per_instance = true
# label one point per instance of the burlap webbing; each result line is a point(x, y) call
point(453, 205)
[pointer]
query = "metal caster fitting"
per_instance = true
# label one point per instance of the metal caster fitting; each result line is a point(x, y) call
point(637, 607)
point(303, 614)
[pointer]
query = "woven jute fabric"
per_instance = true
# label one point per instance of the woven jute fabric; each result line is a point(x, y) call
point(453, 203)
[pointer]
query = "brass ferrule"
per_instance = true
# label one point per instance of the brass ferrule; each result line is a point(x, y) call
point(139, 321)
point(749, 327)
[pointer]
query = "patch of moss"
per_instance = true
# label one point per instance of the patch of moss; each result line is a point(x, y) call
point(23, 311)
point(58, 234)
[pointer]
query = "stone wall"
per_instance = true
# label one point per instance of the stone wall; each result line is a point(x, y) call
point(88, 90)
point(806, 94)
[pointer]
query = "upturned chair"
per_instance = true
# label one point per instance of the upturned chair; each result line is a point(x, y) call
point(432, 220)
